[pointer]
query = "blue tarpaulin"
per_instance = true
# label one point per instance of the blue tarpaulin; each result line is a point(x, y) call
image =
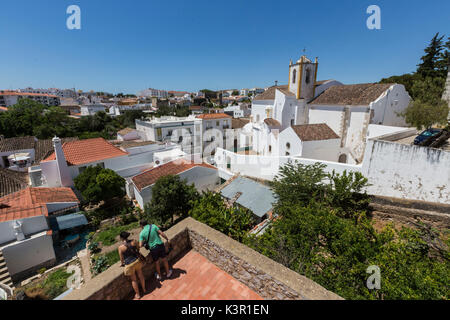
point(72, 220)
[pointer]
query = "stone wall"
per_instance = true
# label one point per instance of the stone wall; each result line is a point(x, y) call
point(269, 279)
point(257, 280)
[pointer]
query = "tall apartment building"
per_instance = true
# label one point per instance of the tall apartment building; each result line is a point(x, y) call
point(62, 93)
point(174, 129)
point(150, 92)
point(10, 98)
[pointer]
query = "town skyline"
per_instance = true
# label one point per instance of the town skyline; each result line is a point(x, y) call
point(241, 51)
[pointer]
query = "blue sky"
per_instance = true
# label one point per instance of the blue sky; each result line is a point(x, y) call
point(126, 46)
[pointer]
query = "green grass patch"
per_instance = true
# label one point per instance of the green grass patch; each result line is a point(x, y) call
point(50, 287)
point(112, 257)
point(108, 237)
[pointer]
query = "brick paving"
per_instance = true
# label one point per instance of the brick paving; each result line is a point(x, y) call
point(196, 278)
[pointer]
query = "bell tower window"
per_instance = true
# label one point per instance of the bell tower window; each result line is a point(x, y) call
point(308, 75)
point(294, 75)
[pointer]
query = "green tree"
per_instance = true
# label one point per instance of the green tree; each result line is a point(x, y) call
point(98, 184)
point(428, 108)
point(299, 184)
point(235, 93)
point(211, 210)
point(171, 197)
point(406, 79)
point(429, 67)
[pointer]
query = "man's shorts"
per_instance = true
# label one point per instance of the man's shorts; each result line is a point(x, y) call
point(132, 267)
point(158, 252)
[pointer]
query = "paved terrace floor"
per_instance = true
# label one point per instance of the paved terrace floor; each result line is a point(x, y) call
point(196, 278)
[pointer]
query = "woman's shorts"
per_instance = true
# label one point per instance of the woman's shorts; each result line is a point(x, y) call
point(158, 252)
point(132, 267)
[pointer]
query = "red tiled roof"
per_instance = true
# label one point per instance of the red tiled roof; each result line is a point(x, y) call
point(269, 94)
point(208, 116)
point(87, 151)
point(272, 122)
point(313, 132)
point(352, 94)
point(13, 93)
point(32, 202)
point(149, 177)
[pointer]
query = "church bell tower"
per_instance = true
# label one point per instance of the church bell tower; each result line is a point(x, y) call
point(302, 78)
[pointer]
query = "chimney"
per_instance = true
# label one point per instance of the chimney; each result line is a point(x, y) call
point(276, 83)
point(65, 178)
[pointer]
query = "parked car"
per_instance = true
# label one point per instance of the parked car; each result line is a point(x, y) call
point(427, 134)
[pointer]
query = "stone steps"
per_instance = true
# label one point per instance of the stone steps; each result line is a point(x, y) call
point(5, 277)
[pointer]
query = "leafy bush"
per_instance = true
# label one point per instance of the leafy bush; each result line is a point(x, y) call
point(93, 247)
point(98, 184)
point(211, 210)
point(329, 239)
point(170, 196)
point(299, 184)
point(100, 264)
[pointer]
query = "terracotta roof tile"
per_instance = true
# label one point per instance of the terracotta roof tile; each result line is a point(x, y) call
point(12, 181)
point(312, 132)
point(149, 177)
point(14, 93)
point(237, 123)
point(87, 151)
point(269, 94)
point(44, 148)
point(272, 122)
point(353, 95)
point(32, 202)
point(17, 143)
point(208, 116)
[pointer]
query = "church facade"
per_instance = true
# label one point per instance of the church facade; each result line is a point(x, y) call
point(347, 110)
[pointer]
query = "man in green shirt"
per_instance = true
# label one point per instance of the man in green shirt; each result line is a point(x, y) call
point(150, 239)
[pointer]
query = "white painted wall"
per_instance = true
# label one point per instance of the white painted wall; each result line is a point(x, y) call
point(393, 169)
point(386, 108)
point(29, 226)
point(321, 149)
point(28, 253)
point(331, 115)
point(356, 131)
point(406, 171)
point(289, 136)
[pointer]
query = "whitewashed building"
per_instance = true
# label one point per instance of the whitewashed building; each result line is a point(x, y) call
point(71, 158)
point(10, 98)
point(202, 175)
point(92, 109)
point(347, 109)
point(25, 234)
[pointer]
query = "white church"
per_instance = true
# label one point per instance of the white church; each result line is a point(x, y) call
point(324, 120)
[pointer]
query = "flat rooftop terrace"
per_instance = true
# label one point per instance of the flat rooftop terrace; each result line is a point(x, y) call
point(207, 265)
point(196, 278)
